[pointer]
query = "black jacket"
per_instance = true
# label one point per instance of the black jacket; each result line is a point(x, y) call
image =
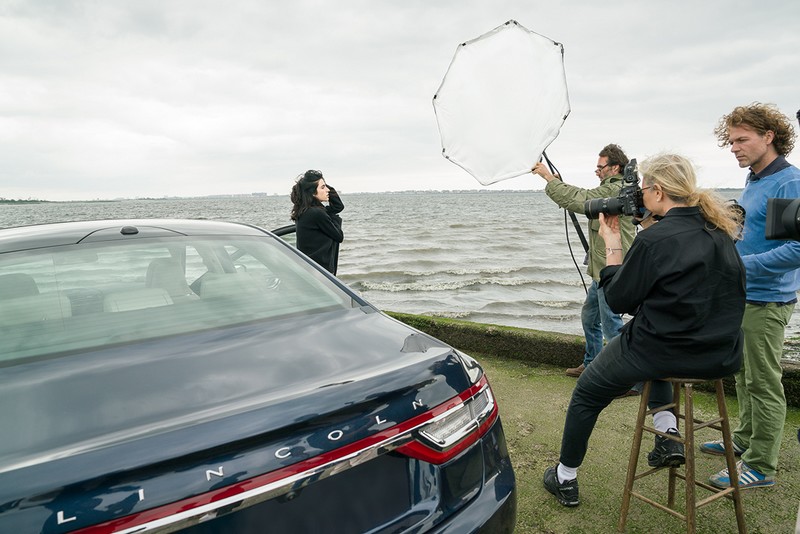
point(319, 232)
point(684, 284)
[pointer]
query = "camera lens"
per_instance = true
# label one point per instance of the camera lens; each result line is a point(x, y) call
point(607, 206)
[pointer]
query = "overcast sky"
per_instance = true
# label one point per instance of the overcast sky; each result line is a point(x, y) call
point(111, 98)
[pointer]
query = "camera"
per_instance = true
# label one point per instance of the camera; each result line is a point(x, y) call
point(629, 202)
point(783, 218)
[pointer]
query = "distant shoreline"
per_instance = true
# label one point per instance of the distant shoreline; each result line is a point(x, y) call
point(250, 195)
point(39, 201)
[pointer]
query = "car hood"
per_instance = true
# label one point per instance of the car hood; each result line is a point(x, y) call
point(88, 415)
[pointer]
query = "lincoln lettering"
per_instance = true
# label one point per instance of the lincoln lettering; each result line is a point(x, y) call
point(281, 453)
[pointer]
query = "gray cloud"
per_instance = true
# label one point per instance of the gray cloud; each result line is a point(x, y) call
point(150, 98)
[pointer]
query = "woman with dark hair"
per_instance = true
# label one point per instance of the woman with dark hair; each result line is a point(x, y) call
point(319, 228)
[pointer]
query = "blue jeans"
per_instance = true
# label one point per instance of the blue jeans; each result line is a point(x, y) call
point(598, 322)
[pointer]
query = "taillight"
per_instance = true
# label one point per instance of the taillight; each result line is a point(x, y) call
point(454, 430)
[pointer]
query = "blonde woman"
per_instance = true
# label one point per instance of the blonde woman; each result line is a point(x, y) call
point(683, 282)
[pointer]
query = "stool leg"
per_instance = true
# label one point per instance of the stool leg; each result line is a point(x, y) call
point(688, 438)
point(633, 461)
point(688, 451)
point(673, 473)
point(730, 459)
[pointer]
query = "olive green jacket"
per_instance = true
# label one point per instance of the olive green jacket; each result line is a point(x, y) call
point(573, 198)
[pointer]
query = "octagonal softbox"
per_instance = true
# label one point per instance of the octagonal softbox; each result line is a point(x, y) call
point(502, 102)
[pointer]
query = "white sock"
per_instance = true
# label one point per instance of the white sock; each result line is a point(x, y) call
point(664, 421)
point(564, 473)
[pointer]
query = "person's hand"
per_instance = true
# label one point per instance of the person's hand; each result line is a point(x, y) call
point(609, 230)
point(542, 170)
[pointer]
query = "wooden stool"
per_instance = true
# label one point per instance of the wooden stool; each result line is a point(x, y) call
point(720, 423)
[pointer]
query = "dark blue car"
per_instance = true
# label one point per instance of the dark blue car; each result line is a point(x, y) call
point(199, 376)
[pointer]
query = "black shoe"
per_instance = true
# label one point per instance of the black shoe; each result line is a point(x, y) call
point(667, 453)
point(566, 493)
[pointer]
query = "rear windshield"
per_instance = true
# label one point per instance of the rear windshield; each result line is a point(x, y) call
point(78, 297)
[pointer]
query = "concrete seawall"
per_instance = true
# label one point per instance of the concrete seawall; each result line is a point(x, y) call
point(536, 347)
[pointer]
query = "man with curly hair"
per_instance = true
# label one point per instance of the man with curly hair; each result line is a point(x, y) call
point(760, 138)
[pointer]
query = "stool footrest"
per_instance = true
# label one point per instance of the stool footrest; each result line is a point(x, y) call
point(649, 472)
point(718, 494)
point(679, 439)
point(685, 416)
point(713, 423)
point(660, 409)
point(658, 505)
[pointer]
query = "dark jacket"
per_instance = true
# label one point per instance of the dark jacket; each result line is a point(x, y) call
point(684, 284)
point(319, 232)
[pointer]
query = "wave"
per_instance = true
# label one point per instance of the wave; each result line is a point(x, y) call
point(416, 249)
point(450, 285)
point(566, 324)
point(451, 314)
point(422, 268)
point(558, 304)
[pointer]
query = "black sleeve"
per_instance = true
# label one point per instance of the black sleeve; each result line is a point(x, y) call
point(335, 202)
point(326, 224)
point(607, 274)
point(626, 286)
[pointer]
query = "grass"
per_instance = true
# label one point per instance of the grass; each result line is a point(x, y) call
point(533, 403)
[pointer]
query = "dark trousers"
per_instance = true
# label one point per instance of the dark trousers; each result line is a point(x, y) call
point(612, 373)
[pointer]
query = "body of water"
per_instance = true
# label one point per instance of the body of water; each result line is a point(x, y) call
point(490, 257)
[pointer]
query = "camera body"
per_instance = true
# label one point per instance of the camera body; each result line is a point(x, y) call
point(629, 202)
point(783, 218)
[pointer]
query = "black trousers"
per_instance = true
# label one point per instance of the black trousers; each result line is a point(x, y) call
point(612, 373)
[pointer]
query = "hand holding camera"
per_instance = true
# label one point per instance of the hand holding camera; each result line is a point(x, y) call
point(610, 233)
point(609, 228)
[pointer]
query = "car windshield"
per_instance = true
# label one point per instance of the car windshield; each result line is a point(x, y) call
point(76, 297)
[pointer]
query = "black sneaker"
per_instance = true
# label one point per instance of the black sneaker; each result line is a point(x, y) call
point(666, 453)
point(566, 493)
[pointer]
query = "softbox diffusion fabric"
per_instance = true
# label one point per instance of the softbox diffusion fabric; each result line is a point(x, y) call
point(502, 102)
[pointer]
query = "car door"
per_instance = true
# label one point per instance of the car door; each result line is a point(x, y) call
point(287, 233)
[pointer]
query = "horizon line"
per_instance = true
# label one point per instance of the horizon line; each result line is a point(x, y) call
point(30, 200)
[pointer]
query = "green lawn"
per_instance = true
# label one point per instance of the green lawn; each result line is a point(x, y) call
point(533, 402)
